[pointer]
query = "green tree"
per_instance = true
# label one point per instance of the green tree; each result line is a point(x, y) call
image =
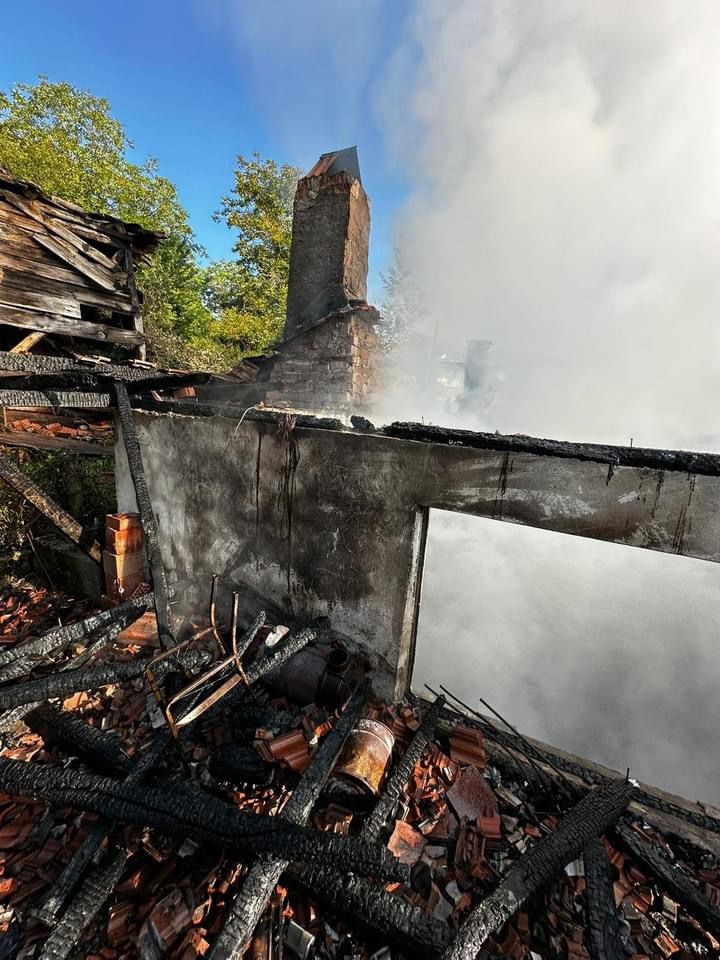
point(248, 295)
point(67, 142)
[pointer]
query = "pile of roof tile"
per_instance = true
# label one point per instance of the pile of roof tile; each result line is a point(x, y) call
point(463, 818)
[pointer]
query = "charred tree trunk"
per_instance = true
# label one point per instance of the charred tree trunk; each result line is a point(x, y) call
point(672, 878)
point(147, 517)
point(603, 923)
point(265, 873)
point(62, 684)
point(590, 818)
point(49, 508)
point(196, 814)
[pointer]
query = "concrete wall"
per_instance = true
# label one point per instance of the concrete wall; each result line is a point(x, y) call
point(322, 522)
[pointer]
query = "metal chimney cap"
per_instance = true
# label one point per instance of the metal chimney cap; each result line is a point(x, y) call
point(337, 161)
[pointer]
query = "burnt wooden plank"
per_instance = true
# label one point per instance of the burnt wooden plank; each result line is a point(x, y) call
point(591, 817)
point(41, 364)
point(147, 517)
point(54, 398)
point(67, 326)
point(68, 525)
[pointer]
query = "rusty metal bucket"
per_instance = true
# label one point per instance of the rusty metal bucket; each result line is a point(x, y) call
point(366, 755)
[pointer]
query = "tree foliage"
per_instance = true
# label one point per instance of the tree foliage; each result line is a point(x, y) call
point(68, 142)
point(248, 294)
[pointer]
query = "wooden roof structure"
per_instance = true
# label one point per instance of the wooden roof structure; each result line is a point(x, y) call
point(66, 272)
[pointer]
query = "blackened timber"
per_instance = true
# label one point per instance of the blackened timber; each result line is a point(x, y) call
point(685, 461)
point(68, 880)
point(147, 517)
point(90, 898)
point(60, 518)
point(54, 398)
point(259, 884)
point(64, 886)
point(604, 934)
point(33, 363)
point(102, 751)
point(64, 683)
point(387, 803)
point(90, 379)
point(672, 878)
point(194, 813)
point(591, 817)
point(235, 411)
point(59, 637)
point(9, 718)
point(414, 931)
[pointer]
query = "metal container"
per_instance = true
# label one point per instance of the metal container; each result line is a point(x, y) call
point(366, 755)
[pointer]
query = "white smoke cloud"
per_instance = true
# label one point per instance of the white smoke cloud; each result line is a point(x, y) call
point(566, 169)
point(565, 204)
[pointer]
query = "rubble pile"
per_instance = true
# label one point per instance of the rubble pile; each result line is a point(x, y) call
point(457, 819)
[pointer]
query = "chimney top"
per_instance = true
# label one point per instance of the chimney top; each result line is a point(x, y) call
point(337, 161)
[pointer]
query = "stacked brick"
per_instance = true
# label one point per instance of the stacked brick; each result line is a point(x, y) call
point(123, 557)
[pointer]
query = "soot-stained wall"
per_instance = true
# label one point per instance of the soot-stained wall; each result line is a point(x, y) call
point(318, 522)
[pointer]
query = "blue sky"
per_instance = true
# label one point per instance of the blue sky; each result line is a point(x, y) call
point(195, 82)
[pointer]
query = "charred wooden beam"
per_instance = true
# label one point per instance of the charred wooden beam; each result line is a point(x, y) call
point(147, 517)
point(10, 717)
point(101, 751)
point(602, 917)
point(54, 399)
point(265, 873)
point(414, 931)
point(65, 885)
point(706, 464)
point(67, 524)
point(672, 878)
point(18, 660)
point(63, 684)
point(82, 911)
point(590, 818)
point(388, 800)
point(71, 875)
point(197, 814)
point(91, 379)
point(31, 363)
point(389, 915)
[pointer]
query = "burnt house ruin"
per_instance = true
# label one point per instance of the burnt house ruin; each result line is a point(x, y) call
point(228, 760)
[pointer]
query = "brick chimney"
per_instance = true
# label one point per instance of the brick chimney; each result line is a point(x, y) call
point(330, 236)
point(327, 359)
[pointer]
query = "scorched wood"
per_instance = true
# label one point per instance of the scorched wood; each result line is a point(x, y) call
point(92, 895)
point(63, 684)
point(194, 813)
point(388, 800)
point(590, 818)
point(603, 923)
point(59, 638)
point(147, 517)
point(265, 873)
point(102, 751)
point(672, 878)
